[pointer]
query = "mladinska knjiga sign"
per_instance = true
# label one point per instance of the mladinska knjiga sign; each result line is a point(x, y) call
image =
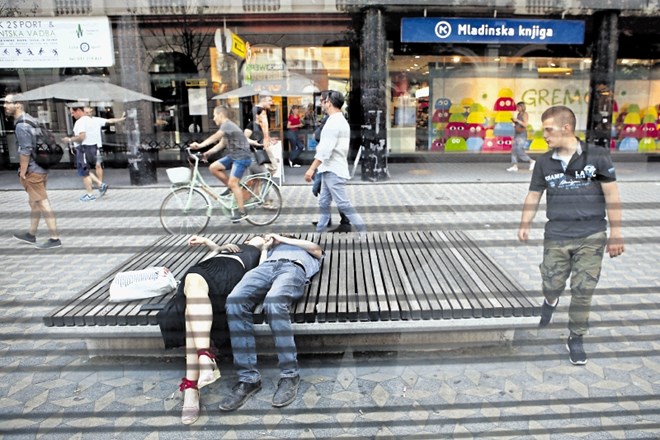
point(490, 31)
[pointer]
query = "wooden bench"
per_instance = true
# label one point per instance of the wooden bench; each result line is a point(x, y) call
point(391, 280)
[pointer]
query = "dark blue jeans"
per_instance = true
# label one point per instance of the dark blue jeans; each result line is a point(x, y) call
point(277, 285)
point(296, 146)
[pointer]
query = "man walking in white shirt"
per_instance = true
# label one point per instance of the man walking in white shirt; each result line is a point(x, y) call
point(331, 161)
point(94, 137)
point(85, 151)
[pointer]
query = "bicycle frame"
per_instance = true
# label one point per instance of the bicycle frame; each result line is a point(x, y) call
point(228, 202)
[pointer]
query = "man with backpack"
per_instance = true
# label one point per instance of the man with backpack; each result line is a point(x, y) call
point(32, 176)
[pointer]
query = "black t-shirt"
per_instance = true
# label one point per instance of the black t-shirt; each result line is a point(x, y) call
point(257, 132)
point(575, 199)
point(221, 274)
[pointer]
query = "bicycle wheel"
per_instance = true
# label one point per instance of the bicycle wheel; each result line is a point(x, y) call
point(185, 212)
point(265, 203)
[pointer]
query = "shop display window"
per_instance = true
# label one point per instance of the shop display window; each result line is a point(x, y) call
point(466, 103)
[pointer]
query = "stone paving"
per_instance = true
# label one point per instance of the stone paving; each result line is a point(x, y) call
point(51, 389)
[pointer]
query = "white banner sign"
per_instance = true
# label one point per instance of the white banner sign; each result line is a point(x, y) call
point(197, 102)
point(49, 42)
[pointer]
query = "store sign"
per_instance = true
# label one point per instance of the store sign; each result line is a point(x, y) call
point(49, 42)
point(236, 45)
point(197, 82)
point(491, 31)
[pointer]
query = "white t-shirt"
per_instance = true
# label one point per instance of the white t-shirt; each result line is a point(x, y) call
point(94, 134)
point(83, 125)
point(332, 149)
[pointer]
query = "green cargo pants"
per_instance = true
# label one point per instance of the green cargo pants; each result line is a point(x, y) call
point(581, 259)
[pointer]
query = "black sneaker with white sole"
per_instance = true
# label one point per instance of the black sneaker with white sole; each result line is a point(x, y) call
point(575, 349)
point(50, 244)
point(26, 238)
point(546, 313)
point(238, 216)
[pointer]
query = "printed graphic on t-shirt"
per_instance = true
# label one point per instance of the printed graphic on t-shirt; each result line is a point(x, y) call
point(579, 179)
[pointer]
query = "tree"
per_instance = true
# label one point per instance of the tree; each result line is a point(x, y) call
point(189, 37)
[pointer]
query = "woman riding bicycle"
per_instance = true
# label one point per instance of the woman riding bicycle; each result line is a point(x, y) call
point(237, 159)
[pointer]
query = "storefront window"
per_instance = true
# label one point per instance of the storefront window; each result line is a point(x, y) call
point(466, 103)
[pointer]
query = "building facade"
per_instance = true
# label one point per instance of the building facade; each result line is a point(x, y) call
point(420, 77)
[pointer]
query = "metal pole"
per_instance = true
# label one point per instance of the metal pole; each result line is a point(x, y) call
point(373, 81)
point(603, 73)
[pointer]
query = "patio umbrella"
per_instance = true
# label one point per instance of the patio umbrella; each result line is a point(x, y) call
point(237, 93)
point(291, 85)
point(85, 88)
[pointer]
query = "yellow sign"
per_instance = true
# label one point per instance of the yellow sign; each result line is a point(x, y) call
point(235, 44)
point(197, 82)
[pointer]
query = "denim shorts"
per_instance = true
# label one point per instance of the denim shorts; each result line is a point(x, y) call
point(237, 167)
point(85, 159)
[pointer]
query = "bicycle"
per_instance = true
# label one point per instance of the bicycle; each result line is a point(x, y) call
point(188, 207)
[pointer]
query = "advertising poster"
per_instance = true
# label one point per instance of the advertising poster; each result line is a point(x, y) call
point(48, 42)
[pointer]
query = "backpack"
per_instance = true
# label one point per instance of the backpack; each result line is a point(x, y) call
point(46, 152)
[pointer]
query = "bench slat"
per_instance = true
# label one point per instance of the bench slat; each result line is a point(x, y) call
point(400, 244)
point(67, 315)
point(379, 292)
point(471, 286)
point(441, 258)
point(420, 284)
point(480, 264)
point(506, 288)
point(325, 282)
point(438, 288)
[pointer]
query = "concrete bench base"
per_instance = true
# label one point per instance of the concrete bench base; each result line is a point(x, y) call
point(328, 338)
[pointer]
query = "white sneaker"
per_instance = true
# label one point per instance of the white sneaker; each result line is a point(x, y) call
point(513, 169)
point(531, 165)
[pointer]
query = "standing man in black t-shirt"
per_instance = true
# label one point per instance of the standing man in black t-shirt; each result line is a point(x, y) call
point(257, 130)
point(581, 186)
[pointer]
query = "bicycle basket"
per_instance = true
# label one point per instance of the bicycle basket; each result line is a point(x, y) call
point(179, 175)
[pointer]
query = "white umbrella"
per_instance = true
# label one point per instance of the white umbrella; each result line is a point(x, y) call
point(237, 93)
point(85, 88)
point(291, 85)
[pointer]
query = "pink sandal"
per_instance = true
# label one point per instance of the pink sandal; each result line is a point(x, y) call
point(207, 377)
point(189, 413)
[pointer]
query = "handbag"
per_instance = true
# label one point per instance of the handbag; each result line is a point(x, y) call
point(261, 156)
point(142, 284)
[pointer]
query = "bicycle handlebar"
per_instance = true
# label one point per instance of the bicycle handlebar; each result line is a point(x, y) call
point(194, 155)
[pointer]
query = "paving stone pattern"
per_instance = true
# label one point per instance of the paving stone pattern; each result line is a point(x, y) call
point(51, 389)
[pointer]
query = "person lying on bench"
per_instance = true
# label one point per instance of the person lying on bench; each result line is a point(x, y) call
point(202, 293)
point(277, 282)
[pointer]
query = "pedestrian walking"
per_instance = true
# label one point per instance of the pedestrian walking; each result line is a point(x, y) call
point(94, 136)
point(331, 161)
point(580, 185)
point(32, 177)
point(518, 153)
point(85, 150)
